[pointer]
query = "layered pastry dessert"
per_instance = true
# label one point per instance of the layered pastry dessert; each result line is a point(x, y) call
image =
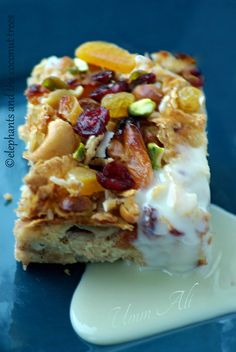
point(117, 148)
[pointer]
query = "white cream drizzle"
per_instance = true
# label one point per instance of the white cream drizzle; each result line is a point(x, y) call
point(180, 195)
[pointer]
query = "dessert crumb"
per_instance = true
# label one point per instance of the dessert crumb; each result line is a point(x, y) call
point(67, 272)
point(8, 198)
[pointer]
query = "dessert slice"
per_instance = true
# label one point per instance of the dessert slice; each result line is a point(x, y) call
point(117, 150)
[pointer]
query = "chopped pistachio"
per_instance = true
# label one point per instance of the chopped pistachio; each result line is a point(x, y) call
point(155, 152)
point(79, 154)
point(74, 70)
point(53, 83)
point(136, 74)
point(81, 65)
point(78, 67)
point(142, 107)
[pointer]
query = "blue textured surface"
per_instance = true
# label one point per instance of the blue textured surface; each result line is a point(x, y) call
point(34, 305)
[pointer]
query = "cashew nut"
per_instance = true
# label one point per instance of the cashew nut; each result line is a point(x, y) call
point(60, 140)
point(54, 97)
point(129, 210)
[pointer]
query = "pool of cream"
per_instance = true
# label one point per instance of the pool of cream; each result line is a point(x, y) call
point(119, 302)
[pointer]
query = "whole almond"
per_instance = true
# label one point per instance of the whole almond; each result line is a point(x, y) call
point(148, 91)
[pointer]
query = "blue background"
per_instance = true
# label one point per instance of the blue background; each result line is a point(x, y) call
point(34, 306)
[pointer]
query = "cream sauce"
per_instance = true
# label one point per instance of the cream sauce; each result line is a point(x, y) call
point(118, 302)
point(180, 197)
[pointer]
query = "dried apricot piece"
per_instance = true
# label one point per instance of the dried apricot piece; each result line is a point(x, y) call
point(106, 55)
point(88, 179)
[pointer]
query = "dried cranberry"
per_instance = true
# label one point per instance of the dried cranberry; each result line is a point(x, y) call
point(74, 82)
point(88, 104)
point(116, 177)
point(143, 79)
point(99, 93)
point(34, 92)
point(194, 77)
point(88, 85)
point(148, 221)
point(88, 88)
point(195, 71)
point(92, 122)
point(175, 232)
point(103, 77)
point(120, 86)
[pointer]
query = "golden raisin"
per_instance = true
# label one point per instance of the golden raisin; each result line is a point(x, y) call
point(118, 103)
point(189, 99)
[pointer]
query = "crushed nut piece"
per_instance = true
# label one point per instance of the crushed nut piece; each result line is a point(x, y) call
point(67, 272)
point(8, 197)
point(129, 210)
